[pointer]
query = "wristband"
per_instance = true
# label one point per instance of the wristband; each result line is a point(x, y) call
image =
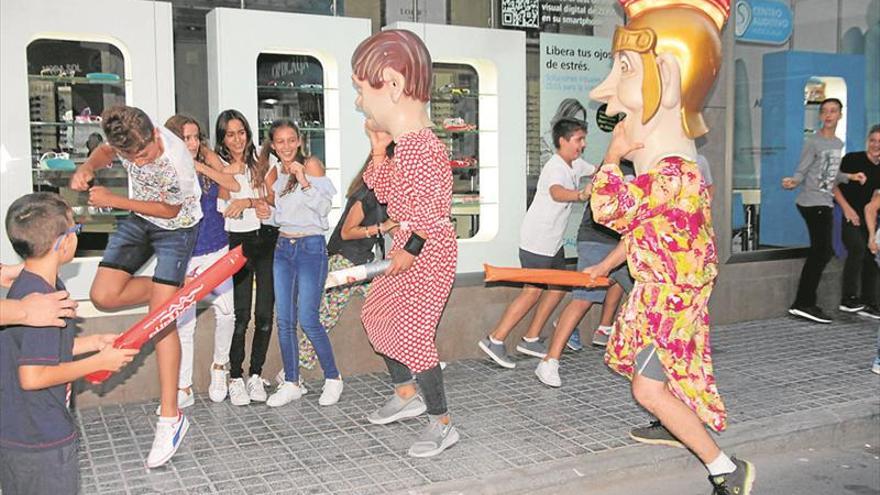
point(414, 245)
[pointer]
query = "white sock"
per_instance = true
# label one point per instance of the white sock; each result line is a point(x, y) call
point(721, 465)
point(530, 339)
point(163, 419)
point(607, 328)
point(492, 340)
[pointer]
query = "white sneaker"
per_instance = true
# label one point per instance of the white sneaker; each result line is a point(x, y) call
point(256, 389)
point(219, 386)
point(548, 372)
point(238, 394)
point(284, 394)
point(169, 436)
point(279, 378)
point(332, 391)
point(183, 400)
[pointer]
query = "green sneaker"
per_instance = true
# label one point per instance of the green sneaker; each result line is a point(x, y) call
point(738, 482)
point(655, 434)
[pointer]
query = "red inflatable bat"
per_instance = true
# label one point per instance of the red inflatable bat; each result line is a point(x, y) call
point(183, 299)
point(543, 276)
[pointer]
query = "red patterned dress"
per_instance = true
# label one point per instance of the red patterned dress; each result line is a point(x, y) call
point(401, 312)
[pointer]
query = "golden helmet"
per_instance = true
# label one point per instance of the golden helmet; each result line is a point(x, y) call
point(690, 31)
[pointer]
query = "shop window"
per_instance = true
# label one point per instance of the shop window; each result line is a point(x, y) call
point(70, 83)
point(292, 87)
point(455, 113)
point(781, 75)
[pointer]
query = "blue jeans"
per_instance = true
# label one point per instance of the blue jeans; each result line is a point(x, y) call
point(300, 270)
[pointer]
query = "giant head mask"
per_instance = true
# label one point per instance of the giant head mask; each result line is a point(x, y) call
point(667, 57)
point(392, 72)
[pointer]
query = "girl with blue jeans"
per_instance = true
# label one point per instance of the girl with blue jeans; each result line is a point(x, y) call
point(302, 196)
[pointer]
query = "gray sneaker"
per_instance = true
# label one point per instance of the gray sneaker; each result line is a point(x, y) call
point(436, 438)
point(655, 434)
point(537, 348)
point(738, 482)
point(398, 408)
point(497, 352)
point(600, 337)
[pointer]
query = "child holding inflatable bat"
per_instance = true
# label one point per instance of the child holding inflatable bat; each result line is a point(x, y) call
point(38, 439)
point(164, 201)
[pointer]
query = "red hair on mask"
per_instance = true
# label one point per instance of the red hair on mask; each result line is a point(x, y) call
point(395, 49)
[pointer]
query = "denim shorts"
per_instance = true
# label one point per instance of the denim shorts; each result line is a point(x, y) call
point(136, 240)
point(591, 253)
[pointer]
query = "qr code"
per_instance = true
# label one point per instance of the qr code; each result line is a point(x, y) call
point(519, 13)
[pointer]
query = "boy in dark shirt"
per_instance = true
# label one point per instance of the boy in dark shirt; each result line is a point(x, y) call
point(859, 269)
point(37, 432)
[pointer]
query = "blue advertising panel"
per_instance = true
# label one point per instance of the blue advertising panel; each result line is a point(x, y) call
point(762, 21)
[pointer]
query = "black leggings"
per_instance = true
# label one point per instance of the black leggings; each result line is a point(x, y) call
point(430, 383)
point(259, 247)
point(818, 220)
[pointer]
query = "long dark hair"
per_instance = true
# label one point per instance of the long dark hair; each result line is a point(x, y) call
point(266, 151)
point(258, 174)
point(358, 181)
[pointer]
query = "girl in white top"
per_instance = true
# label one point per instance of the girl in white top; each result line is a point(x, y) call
point(248, 221)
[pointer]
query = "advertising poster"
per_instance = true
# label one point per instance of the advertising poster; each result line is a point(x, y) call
point(570, 67)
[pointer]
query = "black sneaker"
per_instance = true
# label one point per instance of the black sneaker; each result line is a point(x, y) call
point(870, 311)
point(738, 482)
point(851, 305)
point(655, 434)
point(812, 313)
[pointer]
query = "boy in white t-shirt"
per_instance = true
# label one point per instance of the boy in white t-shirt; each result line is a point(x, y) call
point(541, 239)
point(165, 211)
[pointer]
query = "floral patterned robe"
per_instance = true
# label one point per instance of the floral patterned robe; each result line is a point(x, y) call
point(666, 225)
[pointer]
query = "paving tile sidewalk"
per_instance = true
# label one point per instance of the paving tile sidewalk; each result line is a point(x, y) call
point(765, 369)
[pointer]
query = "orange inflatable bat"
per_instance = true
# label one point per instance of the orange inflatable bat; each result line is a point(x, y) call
point(156, 321)
point(539, 276)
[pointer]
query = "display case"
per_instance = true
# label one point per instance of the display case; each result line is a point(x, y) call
point(292, 87)
point(486, 140)
point(455, 112)
point(70, 83)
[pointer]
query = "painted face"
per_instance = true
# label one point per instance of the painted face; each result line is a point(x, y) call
point(573, 147)
point(873, 147)
point(830, 114)
point(148, 154)
point(622, 91)
point(191, 138)
point(285, 143)
point(235, 138)
point(374, 103)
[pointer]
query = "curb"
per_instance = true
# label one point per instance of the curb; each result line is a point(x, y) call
point(829, 427)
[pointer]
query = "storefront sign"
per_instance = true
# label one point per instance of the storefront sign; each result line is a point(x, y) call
point(433, 11)
point(763, 21)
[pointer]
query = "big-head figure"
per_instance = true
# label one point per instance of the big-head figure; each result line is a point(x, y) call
point(666, 60)
point(392, 73)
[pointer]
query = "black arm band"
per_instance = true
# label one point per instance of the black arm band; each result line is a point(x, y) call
point(414, 245)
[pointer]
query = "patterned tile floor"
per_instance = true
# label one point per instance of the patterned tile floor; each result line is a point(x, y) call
point(507, 419)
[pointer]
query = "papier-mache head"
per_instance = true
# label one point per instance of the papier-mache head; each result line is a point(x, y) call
point(688, 31)
point(392, 72)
